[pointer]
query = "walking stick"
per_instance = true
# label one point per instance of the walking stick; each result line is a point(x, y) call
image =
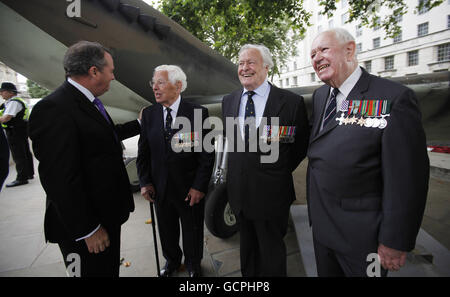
point(154, 238)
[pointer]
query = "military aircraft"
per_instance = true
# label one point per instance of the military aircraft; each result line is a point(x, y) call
point(35, 34)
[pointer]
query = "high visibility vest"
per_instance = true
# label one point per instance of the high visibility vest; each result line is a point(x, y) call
point(21, 118)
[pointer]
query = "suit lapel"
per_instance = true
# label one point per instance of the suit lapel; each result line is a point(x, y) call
point(321, 97)
point(274, 103)
point(357, 93)
point(88, 107)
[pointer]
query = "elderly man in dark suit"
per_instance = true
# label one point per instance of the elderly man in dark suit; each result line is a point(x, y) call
point(368, 164)
point(260, 191)
point(174, 168)
point(81, 166)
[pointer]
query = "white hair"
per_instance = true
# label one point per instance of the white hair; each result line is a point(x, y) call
point(263, 50)
point(342, 35)
point(174, 73)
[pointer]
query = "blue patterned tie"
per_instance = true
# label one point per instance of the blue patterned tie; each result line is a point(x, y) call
point(249, 113)
point(330, 112)
point(168, 125)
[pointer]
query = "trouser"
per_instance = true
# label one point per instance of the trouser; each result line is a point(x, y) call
point(263, 251)
point(4, 158)
point(333, 264)
point(20, 151)
point(170, 212)
point(103, 264)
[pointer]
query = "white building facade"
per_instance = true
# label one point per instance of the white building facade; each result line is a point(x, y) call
point(422, 47)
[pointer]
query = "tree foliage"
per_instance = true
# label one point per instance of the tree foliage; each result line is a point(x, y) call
point(226, 25)
point(35, 90)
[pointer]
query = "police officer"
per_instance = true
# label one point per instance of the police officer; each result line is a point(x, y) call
point(14, 119)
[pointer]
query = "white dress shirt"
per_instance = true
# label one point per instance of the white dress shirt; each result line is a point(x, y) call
point(259, 99)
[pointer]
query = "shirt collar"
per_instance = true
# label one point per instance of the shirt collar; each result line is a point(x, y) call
point(174, 107)
point(82, 89)
point(350, 82)
point(261, 90)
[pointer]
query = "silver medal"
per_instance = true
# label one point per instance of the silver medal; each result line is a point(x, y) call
point(383, 123)
point(376, 123)
point(368, 123)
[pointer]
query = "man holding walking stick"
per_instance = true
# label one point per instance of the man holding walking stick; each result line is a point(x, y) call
point(173, 170)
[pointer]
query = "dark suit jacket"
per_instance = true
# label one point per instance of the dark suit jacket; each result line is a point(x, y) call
point(81, 166)
point(266, 190)
point(368, 185)
point(158, 164)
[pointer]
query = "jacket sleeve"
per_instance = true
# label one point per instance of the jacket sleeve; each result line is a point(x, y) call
point(205, 161)
point(302, 132)
point(405, 170)
point(128, 129)
point(57, 145)
point(143, 161)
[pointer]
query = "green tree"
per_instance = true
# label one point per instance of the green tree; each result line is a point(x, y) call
point(35, 90)
point(226, 25)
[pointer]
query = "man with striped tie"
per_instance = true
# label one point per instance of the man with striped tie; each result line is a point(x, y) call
point(368, 165)
point(260, 193)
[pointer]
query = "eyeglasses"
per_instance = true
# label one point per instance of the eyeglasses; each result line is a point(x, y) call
point(158, 83)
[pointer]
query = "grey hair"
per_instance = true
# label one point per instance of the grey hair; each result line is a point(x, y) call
point(263, 50)
point(342, 35)
point(174, 73)
point(81, 56)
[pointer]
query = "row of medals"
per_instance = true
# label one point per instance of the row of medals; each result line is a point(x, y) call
point(369, 122)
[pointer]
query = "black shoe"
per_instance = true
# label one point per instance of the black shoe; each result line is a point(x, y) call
point(167, 271)
point(195, 273)
point(17, 183)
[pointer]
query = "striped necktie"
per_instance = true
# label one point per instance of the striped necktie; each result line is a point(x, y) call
point(330, 111)
point(249, 113)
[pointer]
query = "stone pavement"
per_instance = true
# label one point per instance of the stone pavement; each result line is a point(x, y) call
point(23, 251)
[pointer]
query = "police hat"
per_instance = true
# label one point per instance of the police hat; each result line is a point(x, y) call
point(7, 86)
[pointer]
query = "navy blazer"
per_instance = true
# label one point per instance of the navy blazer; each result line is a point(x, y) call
point(368, 185)
point(158, 164)
point(265, 190)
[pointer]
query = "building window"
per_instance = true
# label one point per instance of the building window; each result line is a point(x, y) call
point(377, 24)
point(448, 21)
point(389, 63)
point(330, 24)
point(287, 82)
point(295, 65)
point(423, 9)
point(358, 30)
point(413, 58)
point(280, 82)
point(398, 18)
point(294, 81)
point(344, 18)
point(313, 77)
point(368, 66)
point(376, 42)
point(398, 37)
point(422, 29)
point(444, 52)
point(358, 48)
